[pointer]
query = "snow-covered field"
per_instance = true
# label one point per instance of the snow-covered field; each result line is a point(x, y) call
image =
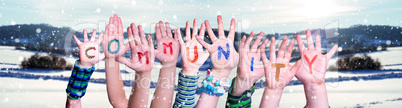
point(17, 92)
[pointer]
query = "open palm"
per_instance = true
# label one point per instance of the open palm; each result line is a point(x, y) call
point(313, 63)
point(167, 48)
point(113, 44)
point(278, 71)
point(142, 51)
point(223, 54)
point(89, 50)
point(250, 68)
point(192, 54)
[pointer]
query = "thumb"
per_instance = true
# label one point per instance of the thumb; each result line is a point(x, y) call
point(123, 60)
point(295, 67)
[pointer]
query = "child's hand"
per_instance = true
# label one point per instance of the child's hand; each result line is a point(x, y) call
point(192, 54)
point(89, 50)
point(142, 52)
point(278, 71)
point(313, 63)
point(113, 44)
point(223, 55)
point(167, 48)
point(250, 69)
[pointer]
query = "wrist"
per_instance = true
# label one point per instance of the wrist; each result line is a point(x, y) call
point(314, 86)
point(143, 73)
point(242, 100)
point(275, 91)
point(85, 65)
point(190, 71)
point(316, 95)
point(271, 98)
point(169, 64)
point(240, 86)
point(220, 74)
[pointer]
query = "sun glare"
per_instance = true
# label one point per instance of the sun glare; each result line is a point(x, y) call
point(317, 8)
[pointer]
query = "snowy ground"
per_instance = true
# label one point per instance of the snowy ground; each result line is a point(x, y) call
point(16, 92)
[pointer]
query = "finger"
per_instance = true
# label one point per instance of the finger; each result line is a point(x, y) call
point(107, 30)
point(176, 36)
point(179, 37)
point(232, 29)
point(131, 40)
point(143, 38)
point(210, 32)
point(272, 55)
point(134, 33)
point(195, 28)
point(300, 43)
point(295, 67)
point(282, 48)
point(318, 43)
point(93, 35)
point(202, 31)
point(100, 38)
point(151, 49)
point(188, 31)
point(157, 31)
point(125, 49)
point(257, 42)
point(203, 43)
point(262, 51)
point(119, 26)
point(115, 23)
point(101, 56)
point(85, 35)
point(310, 44)
point(150, 42)
point(162, 29)
point(332, 51)
point(248, 40)
point(221, 31)
point(124, 60)
point(288, 53)
point(76, 40)
point(168, 30)
point(242, 43)
point(142, 34)
point(111, 22)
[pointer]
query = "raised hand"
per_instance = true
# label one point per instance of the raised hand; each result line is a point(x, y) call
point(167, 48)
point(223, 55)
point(113, 44)
point(278, 71)
point(313, 63)
point(250, 69)
point(142, 52)
point(312, 71)
point(192, 54)
point(89, 50)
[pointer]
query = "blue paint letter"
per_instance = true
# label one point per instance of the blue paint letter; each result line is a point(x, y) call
point(252, 62)
point(226, 54)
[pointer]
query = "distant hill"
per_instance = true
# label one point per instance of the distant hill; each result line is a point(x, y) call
point(47, 38)
point(33, 35)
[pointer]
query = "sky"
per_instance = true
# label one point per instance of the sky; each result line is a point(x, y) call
point(268, 16)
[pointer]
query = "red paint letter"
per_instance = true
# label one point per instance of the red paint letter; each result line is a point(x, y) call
point(166, 45)
point(195, 54)
point(310, 62)
point(143, 54)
